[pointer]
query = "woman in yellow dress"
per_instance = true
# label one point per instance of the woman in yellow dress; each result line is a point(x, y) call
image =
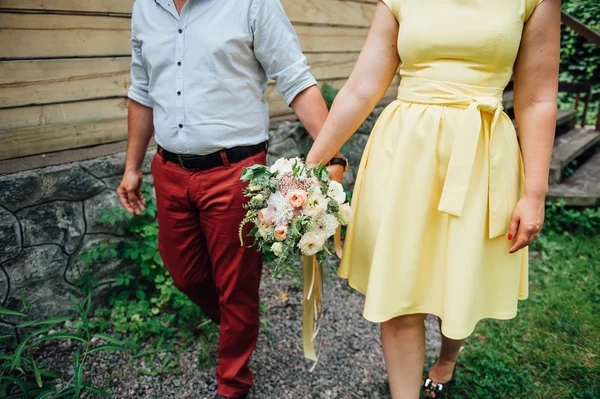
point(447, 198)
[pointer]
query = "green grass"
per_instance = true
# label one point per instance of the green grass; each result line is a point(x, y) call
point(552, 348)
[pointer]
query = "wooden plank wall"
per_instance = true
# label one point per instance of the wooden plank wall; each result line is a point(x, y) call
point(64, 66)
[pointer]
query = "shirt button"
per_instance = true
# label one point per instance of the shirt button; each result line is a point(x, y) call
point(180, 125)
point(178, 93)
point(180, 30)
point(179, 63)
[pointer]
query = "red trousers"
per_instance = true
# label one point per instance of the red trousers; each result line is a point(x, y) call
point(198, 218)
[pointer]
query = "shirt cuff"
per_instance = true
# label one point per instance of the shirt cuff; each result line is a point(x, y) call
point(140, 96)
point(305, 81)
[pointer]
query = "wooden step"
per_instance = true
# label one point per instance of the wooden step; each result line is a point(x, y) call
point(565, 118)
point(568, 147)
point(581, 189)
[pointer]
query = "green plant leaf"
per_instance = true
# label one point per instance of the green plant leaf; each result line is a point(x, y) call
point(8, 312)
point(36, 373)
point(53, 321)
point(94, 390)
point(17, 382)
point(108, 347)
point(46, 394)
point(64, 393)
point(110, 339)
point(61, 336)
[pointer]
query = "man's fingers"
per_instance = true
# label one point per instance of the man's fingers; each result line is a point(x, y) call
point(125, 200)
point(133, 201)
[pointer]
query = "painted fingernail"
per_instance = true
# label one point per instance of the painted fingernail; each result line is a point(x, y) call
point(510, 236)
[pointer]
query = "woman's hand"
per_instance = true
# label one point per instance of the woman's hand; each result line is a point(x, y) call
point(527, 221)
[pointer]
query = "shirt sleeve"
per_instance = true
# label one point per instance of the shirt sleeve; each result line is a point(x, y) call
point(277, 48)
point(138, 91)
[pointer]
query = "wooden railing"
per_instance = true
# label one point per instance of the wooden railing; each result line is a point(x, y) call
point(581, 88)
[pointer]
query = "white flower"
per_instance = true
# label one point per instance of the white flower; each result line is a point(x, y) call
point(346, 212)
point(263, 230)
point(315, 205)
point(336, 192)
point(311, 243)
point(279, 209)
point(277, 248)
point(326, 225)
point(283, 165)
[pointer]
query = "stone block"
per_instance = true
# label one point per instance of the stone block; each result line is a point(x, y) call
point(48, 298)
point(4, 285)
point(65, 182)
point(35, 265)
point(57, 222)
point(10, 236)
point(98, 205)
point(104, 270)
point(107, 166)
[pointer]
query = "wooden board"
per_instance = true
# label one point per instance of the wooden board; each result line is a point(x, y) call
point(76, 112)
point(38, 36)
point(103, 6)
point(48, 81)
point(330, 12)
point(331, 39)
point(41, 36)
point(49, 138)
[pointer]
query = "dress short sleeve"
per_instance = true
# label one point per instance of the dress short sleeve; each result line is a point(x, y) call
point(394, 6)
point(531, 5)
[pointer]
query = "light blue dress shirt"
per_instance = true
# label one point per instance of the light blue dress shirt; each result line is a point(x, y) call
point(204, 72)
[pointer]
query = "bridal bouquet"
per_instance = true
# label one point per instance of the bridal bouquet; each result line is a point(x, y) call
point(295, 210)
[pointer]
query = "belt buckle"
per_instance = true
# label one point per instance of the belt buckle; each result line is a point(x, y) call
point(180, 161)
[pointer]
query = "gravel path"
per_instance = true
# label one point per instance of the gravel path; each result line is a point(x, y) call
point(351, 365)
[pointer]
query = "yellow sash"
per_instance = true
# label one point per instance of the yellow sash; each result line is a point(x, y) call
point(475, 100)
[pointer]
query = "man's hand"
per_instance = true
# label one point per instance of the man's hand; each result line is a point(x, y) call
point(130, 192)
point(336, 172)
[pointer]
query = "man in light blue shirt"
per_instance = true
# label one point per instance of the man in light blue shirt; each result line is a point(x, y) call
point(199, 70)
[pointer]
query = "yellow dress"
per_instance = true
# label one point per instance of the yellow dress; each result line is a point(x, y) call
point(442, 172)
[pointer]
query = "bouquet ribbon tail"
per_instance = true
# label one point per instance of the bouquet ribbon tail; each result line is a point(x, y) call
point(312, 307)
point(337, 241)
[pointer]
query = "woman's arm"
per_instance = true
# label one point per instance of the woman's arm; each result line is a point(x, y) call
point(536, 86)
point(370, 79)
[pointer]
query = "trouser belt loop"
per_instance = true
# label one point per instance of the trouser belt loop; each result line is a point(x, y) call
point(225, 159)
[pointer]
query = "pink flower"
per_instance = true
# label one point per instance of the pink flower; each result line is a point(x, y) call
point(297, 198)
point(265, 217)
point(280, 232)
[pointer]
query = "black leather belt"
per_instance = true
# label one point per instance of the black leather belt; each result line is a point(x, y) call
point(209, 161)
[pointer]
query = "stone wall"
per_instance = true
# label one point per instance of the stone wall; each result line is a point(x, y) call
point(49, 216)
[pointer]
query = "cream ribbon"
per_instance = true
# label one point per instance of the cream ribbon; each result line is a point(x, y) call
point(475, 100)
point(312, 306)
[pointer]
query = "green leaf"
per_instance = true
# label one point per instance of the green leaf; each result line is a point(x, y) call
point(61, 336)
point(108, 347)
point(46, 394)
point(17, 382)
point(53, 321)
point(108, 338)
point(65, 393)
point(8, 312)
point(94, 390)
point(36, 373)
